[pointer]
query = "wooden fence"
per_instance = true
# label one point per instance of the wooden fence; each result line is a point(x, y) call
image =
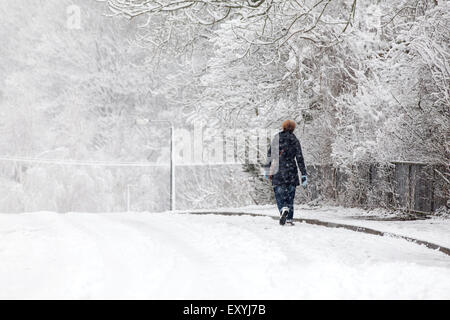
point(411, 186)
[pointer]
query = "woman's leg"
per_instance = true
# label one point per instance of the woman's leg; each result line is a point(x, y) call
point(290, 200)
point(278, 197)
point(281, 196)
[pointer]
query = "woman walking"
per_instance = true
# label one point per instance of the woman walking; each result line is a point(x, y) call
point(283, 158)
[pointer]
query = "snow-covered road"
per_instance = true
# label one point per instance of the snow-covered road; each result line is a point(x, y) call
point(178, 256)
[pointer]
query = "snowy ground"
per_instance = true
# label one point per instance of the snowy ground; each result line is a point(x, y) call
point(435, 229)
point(178, 256)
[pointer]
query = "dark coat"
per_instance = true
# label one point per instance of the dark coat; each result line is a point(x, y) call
point(281, 164)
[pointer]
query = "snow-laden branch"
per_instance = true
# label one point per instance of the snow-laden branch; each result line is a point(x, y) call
point(259, 22)
point(134, 8)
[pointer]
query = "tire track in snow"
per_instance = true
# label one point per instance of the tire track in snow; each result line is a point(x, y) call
point(180, 260)
point(212, 265)
point(127, 263)
point(86, 262)
point(181, 253)
point(246, 258)
point(47, 267)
